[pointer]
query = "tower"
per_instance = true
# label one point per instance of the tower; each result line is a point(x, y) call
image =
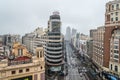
point(53, 49)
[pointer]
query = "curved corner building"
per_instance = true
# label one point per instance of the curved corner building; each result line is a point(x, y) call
point(54, 50)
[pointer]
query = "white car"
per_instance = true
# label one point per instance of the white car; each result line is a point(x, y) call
point(84, 69)
point(81, 74)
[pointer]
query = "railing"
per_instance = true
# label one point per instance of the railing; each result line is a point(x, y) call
point(54, 56)
point(54, 60)
point(54, 48)
point(19, 62)
point(53, 52)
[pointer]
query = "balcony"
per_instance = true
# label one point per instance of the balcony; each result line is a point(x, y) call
point(54, 60)
point(54, 64)
point(54, 40)
point(55, 43)
point(53, 52)
point(54, 56)
point(54, 48)
point(19, 62)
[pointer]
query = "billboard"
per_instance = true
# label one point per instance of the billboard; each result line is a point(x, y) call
point(24, 78)
point(56, 68)
point(56, 26)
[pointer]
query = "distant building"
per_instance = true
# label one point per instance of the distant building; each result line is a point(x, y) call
point(90, 48)
point(28, 40)
point(68, 34)
point(21, 65)
point(9, 39)
point(84, 37)
point(91, 32)
point(98, 46)
point(33, 39)
point(75, 41)
point(74, 31)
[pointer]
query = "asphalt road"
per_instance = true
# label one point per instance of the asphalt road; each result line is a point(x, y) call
point(73, 65)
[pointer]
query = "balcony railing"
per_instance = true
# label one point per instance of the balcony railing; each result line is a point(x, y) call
point(54, 60)
point(53, 52)
point(54, 48)
point(19, 62)
point(54, 63)
point(54, 56)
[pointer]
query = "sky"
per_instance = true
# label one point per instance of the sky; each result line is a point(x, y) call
point(23, 16)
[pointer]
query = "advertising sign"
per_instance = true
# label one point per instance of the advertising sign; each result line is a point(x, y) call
point(56, 68)
point(55, 26)
point(24, 78)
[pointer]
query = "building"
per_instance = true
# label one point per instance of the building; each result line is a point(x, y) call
point(28, 40)
point(74, 31)
point(35, 38)
point(9, 39)
point(98, 46)
point(75, 41)
point(68, 34)
point(90, 48)
point(21, 65)
point(1, 46)
point(90, 43)
point(91, 32)
point(112, 37)
point(53, 50)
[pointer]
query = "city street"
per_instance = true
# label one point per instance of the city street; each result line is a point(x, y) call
point(73, 65)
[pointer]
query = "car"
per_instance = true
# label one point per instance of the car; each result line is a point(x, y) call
point(84, 69)
point(81, 74)
point(61, 73)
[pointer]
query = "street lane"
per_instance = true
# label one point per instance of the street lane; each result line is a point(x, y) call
point(73, 64)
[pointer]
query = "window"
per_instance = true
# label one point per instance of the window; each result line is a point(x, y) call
point(112, 7)
point(42, 76)
point(35, 77)
point(111, 66)
point(115, 60)
point(116, 18)
point(40, 54)
point(116, 56)
point(13, 72)
point(116, 51)
point(27, 70)
point(111, 19)
point(20, 71)
point(111, 13)
point(111, 50)
point(116, 42)
point(116, 68)
point(116, 13)
point(115, 47)
point(117, 6)
point(20, 52)
point(41, 67)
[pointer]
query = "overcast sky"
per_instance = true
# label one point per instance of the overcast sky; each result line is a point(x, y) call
point(23, 16)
